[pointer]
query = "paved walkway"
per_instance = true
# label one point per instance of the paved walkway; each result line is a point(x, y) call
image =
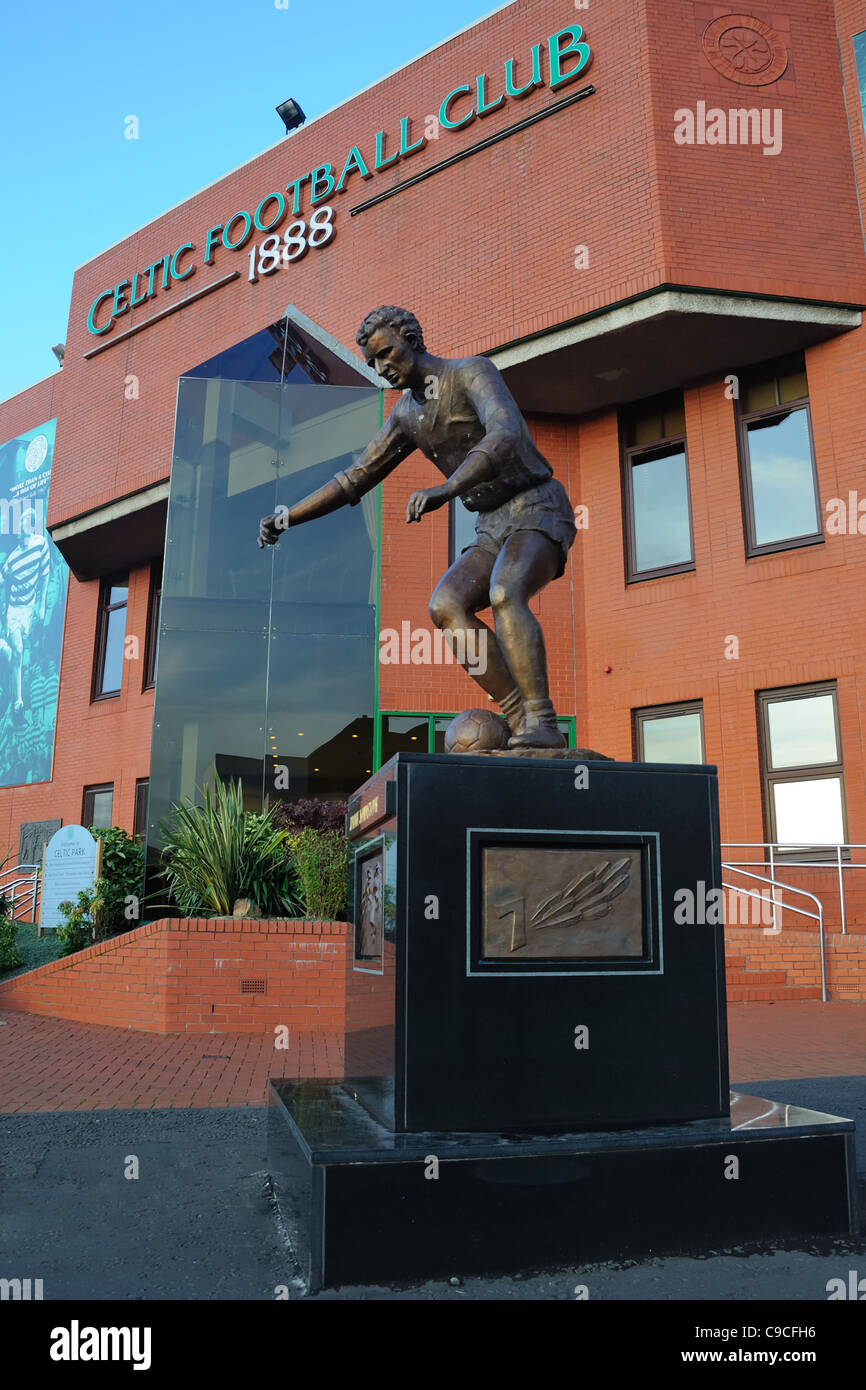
point(49, 1064)
point(796, 1038)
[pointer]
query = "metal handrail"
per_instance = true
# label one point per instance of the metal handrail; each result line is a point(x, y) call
point(777, 883)
point(836, 862)
point(29, 880)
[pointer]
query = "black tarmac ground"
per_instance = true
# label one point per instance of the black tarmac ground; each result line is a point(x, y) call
point(198, 1221)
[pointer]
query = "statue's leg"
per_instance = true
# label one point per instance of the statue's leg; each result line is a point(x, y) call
point(527, 562)
point(456, 600)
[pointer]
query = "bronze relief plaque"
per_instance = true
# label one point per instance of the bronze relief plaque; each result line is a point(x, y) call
point(565, 903)
point(371, 914)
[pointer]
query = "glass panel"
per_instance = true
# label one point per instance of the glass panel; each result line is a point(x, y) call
point(118, 593)
point(139, 824)
point(672, 738)
point(440, 724)
point(266, 656)
point(809, 813)
point(463, 527)
point(802, 732)
point(114, 635)
point(101, 806)
point(407, 733)
point(761, 394)
point(646, 429)
point(783, 484)
point(793, 387)
point(675, 421)
point(660, 499)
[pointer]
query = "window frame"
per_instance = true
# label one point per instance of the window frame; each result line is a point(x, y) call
point(100, 647)
point(744, 419)
point(154, 613)
point(643, 714)
point(628, 456)
point(812, 772)
point(90, 791)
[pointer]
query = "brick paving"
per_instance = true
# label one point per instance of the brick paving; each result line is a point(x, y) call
point(797, 1038)
point(50, 1064)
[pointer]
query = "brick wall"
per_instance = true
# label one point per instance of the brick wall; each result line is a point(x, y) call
point(484, 253)
point(188, 976)
point(794, 958)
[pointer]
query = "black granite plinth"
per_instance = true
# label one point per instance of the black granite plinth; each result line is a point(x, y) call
point(363, 1204)
point(525, 953)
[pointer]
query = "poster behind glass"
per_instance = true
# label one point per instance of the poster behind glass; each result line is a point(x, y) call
point(33, 577)
point(860, 58)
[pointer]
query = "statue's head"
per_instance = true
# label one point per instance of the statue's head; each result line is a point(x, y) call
point(392, 342)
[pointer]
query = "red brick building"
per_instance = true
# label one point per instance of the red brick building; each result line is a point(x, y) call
point(648, 215)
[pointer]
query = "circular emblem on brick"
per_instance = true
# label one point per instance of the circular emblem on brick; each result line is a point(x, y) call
point(745, 50)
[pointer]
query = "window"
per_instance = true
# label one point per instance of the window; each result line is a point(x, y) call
point(657, 507)
point(801, 763)
point(98, 805)
point(670, 734)
point(461, 529)
point(139, 821)
point(110, 634)
point(425, 733)
point(777, 463)
point(154, 606)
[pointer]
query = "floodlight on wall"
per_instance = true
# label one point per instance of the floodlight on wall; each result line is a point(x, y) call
point(290, 114)
point(59, 351)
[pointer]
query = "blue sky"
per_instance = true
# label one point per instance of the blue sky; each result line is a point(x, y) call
point(203, 78)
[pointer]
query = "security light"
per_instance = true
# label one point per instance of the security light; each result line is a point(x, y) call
point(290, 114)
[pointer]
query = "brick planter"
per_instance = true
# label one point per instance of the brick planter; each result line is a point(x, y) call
point(198, 975)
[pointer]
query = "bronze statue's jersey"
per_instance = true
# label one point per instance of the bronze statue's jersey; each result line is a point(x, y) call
point(467, 408)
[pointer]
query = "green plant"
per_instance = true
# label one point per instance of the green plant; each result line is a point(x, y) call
point(79, 928)
point(218, 852)
point(312, 812)
point(121, 882)
point(320, 859)
point(9, 957)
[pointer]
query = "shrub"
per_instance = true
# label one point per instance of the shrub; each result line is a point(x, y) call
point(320, 859)
point(121, 878)
point(311, 813)
point(218, 852)
point(9, 957)
point(79, 928)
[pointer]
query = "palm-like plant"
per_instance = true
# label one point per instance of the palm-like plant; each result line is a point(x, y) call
point(218, 852)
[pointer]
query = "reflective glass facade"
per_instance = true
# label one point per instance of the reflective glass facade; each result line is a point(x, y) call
point(266, 666)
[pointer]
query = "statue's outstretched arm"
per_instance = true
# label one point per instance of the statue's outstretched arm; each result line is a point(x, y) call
point(382, 455)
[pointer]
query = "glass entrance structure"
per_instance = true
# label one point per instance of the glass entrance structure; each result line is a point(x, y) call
point(267, 656)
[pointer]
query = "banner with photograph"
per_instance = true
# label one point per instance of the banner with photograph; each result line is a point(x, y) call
point(860, 57)
point(33, 578)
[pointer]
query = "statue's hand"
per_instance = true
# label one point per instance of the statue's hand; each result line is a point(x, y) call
point(273, 526)
point(426, 501)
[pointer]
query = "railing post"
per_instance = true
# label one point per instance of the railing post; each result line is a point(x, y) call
point(841, 887)
point(776, 927)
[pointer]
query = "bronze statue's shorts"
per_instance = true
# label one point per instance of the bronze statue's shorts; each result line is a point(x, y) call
point(544, 508)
